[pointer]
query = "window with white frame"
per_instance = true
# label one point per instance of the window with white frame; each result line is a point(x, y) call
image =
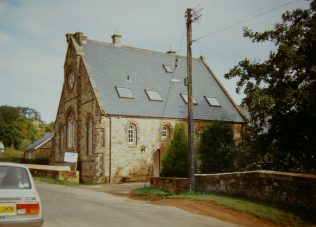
point(132, 132)
point(200, 133)
point(61, 138)
point(212, 101)
point(185, 99)
point(89, 135)
point(165, 132)
point(71, 129)
point(167, 68)
point(153, 95)
point(124, 92)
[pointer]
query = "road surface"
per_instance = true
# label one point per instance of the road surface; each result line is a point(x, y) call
point(73, 206)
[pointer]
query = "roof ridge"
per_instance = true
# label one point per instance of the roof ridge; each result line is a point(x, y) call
point(142, 49)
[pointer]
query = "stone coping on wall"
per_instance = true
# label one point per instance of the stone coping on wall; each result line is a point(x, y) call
point(312, 176)
point(49, 167)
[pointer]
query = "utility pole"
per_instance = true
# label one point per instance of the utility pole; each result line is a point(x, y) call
point(191, 16)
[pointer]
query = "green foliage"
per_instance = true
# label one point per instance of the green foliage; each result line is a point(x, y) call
point(175, 161)
point(280, 92)
point(21, 126)
point(12, 155)
point(216, 148)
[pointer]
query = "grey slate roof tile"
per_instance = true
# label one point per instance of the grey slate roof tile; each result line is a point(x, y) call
point(40, 142)
point(111, 65)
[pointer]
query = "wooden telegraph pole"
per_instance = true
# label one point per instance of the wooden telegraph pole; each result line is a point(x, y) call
point(191, 16)
point(191, 153)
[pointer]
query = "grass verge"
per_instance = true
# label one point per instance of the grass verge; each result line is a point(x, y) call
point(263, 210)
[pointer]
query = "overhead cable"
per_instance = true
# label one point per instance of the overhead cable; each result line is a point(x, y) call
point(244, 21)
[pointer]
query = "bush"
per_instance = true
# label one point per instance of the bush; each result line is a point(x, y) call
point(17, 156)
point(217, 148)
point(175, 161)
point(11, 155)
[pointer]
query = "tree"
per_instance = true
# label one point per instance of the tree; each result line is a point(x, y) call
point(20, 126)
point(280, 92)
point(175, 161)
point(217, 148)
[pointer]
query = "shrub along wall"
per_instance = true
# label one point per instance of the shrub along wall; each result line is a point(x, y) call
point(291, 189)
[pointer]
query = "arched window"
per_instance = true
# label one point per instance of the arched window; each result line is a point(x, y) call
point(89, 135)
point(165, 132)
point(61, 138)
point(71, 130)
point(132, 134)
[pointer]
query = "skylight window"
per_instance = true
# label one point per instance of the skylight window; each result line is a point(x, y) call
point(185, 99)
point(167, 68)
point(212, 101)
point(153, 95)
point(124, 92)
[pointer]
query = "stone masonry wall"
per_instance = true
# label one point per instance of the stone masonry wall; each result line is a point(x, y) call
point(171, 184)
point(136, 162)
point(295, 190)
point(71, 176)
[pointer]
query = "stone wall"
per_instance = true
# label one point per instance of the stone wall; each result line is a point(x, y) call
point(135, 162)
point(295, 190)
point(56, 172)
point(170, 184)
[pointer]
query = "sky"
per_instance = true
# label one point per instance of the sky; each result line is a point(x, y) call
point(33, 43)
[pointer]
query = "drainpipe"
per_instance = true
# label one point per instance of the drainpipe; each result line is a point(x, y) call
point(104, 152)
point(110, 150)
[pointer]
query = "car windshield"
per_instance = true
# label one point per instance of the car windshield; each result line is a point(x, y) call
point(13, 177)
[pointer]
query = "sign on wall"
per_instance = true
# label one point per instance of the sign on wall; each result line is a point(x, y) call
point(71, 157)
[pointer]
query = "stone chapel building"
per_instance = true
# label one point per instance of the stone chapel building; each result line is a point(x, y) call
point(119, 106)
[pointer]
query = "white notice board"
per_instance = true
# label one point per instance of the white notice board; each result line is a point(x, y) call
point(71, 157)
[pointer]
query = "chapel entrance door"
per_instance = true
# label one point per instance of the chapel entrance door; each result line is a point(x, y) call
point(156, 163)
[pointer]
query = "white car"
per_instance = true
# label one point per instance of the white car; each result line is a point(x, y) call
point(20, 203)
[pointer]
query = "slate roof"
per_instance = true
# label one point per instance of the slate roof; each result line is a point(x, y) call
point(40, 142)
point(110, 66)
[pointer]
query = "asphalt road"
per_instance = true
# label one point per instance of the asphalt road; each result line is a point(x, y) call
point(72, 206)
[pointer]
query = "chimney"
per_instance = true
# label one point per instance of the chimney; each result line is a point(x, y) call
point(173, 52)
point(116, 39)
point(78, 36)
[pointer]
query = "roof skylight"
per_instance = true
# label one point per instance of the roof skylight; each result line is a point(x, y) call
point(124, 92)
point(185, 99)
point(212, 101)
point(153, 95)
point(167, 68)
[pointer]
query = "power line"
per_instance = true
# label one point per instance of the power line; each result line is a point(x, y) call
point(214, 7)
point(243, 21)
point(200, 46)
point(181, 41)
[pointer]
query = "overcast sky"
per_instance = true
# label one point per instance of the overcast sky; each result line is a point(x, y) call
point(33, 43)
